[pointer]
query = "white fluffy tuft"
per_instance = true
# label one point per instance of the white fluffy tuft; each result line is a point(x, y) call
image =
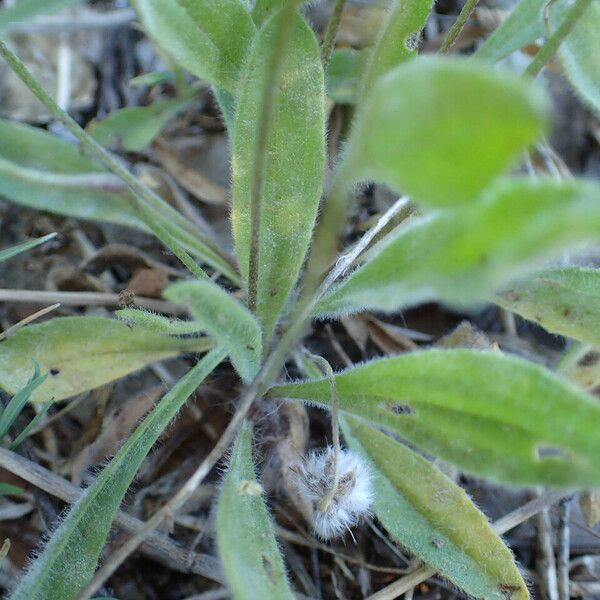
point(313, 478)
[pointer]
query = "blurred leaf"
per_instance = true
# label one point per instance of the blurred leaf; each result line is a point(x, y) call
point(435, 519)
point(492, 415)
point(395, 42)
point(565, 301)
point(23, 10)
point(580, 52)
point(263, 9)
point(39, 170)
point(462, 255)
point(344, 74)
point(6, 489)
point(210, 39)
point(247, 547)
point(24, 246)
point(24, 433)
point(70, 557)
point(152, 78)
point(294, 166)
point(17, 403)
point(82, 353)
point(158, 323)
point(524, 25)
point(228, 321)
point(440, 129)
point(135, 127)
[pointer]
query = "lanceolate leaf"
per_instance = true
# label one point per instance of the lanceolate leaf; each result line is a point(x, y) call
point(81, 353)
point(434, 518)
point(344, 75)
point(462, 255)
point(158, 323)
point(524, 24)
point(247, 547)
point(41, 171)
point(263, 9)
point(69, 559)
point(440, 130)
point(491, 414)
point(397, 40)
point(220, 314)
point(134, 127)
point(24, 246)
point(208, 38)
point(562, 300)
point(294, 166)
point(23, 10)
point(580, 52)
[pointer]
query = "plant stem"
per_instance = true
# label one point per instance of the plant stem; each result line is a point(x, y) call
point(458, 25)
point(327, 371)
point(551, 45)
point(142, 194)
point(264, 125)
point(331, 32)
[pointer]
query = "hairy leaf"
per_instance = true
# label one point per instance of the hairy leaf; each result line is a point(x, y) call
point(39, 170)
point(70, 557)
point(263, 9)
point(344, 74)
point(294, 167)
point(580, 52)
point(158, 323)
point(396, 40)
point(524, 24)
point(82, 353)
point(209, 38)
point(24, 246)
point(247, 547)
point(135, 127)
point(462, 255)
point(562, 300)
point(434, 518)
point(491, 414)
point(441, 129)
point(226, 319)
point(23, 10)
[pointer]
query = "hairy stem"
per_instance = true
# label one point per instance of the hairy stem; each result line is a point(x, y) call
point(551, 45)
point(264, 124)
point(458, 25)
point(331, 33)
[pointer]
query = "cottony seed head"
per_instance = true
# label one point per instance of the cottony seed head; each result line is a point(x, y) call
point(352, 499)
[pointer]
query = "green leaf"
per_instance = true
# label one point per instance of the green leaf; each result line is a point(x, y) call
point(24, 433)
point(344, 75)
point(17, 403)
point(226, 319)
point(440, 129)
point(491, 414)
point(395, 42)
point(82, 353)
point(434, 518)
point(263, 9)
point(251, 560)
point(462, 255)
point(23, 10)
point(158, 323)
point(565, 301)
point(580, 52)
point(135, 127)
point(69, 559)
point(24, 246)
point(524, 25)
point(210, 39)
point(294, 166)
point(6, 489)
point(39, 170)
